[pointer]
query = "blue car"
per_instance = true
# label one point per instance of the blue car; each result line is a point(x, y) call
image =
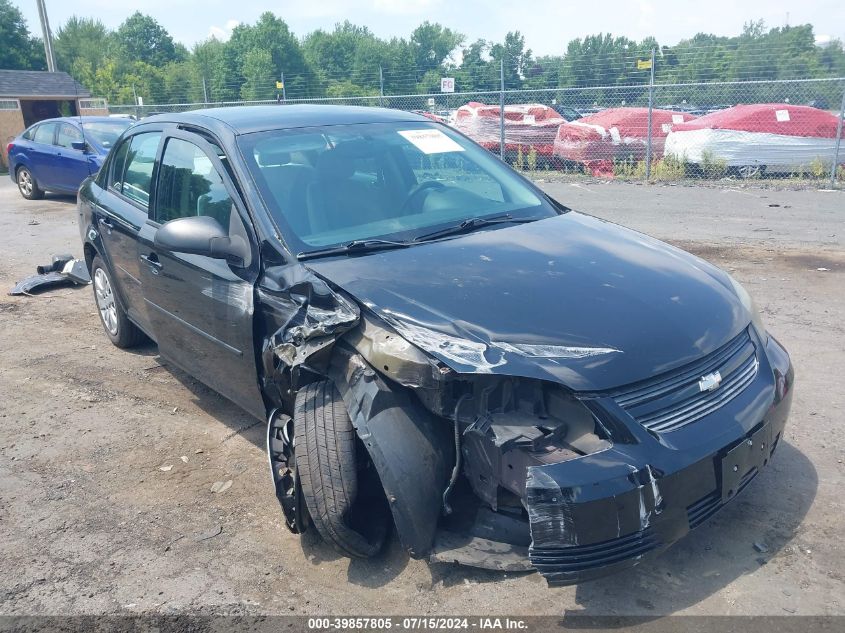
point(58, 154)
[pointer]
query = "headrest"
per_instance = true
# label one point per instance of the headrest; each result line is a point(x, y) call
point(272, 156)
point(335, 164)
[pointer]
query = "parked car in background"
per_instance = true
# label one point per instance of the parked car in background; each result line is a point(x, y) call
point(432, 341)
point(528, 126)
point(616, 134)
point(567, 112)
point(749, 140)
point(58, 154)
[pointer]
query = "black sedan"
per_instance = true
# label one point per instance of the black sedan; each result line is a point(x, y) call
point(433, 341)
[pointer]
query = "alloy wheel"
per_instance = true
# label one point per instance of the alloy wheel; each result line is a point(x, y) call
point(25, 182)
point(105, 301)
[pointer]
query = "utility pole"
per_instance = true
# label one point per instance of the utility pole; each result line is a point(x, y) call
point(284, 89)
point(204, 90)
point(48, 36)
point(650, 107)
point(381, 86)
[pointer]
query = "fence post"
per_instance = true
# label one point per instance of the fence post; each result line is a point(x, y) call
point(502, 109)
point(650, 107)
point(135, 99)
point(838, 141)
point(381, 86)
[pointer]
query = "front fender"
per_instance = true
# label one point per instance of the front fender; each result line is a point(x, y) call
point(411, 449)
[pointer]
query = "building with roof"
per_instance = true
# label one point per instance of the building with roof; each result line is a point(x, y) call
point(29, 96)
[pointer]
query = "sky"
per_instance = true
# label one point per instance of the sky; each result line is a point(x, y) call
point(548, 25)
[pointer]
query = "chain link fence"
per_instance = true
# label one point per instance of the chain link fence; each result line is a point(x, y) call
point(784, 130)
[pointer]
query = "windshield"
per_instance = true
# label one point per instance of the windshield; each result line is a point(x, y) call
point(338, 184)
point(105, 133)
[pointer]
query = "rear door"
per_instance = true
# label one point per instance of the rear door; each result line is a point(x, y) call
point(42, 155)
point(201, 309)
point(72, 165)
point(121, 211)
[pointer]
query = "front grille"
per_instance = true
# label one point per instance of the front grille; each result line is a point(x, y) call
point(673, 400)
point(567, 560)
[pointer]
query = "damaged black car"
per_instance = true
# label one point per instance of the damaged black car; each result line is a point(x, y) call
point(436, 345)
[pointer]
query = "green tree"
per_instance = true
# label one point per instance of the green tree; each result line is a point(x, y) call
point(141, 38)
point(82, 41)
point(260, 74)
point(517, 59)
point(271, 35)
point(432, 44)
point(18, 50)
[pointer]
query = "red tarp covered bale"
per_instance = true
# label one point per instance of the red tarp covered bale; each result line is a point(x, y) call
point(615, 134)
point(527, 126)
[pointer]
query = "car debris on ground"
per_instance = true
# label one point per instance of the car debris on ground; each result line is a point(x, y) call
point(64, 270)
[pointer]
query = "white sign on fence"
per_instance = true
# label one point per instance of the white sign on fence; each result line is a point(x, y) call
point(447, 84)
point(431, 101)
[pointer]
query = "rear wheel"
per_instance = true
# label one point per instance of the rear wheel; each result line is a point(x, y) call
point(342, 492)
point(27, 186)
point(120, 330)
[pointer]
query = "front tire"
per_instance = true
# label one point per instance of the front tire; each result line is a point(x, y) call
point(342, 493)
point(27, 185)
point(120, 330)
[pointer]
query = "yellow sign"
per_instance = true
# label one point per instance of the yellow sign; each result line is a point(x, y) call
point(643, 64)
point(279, 85)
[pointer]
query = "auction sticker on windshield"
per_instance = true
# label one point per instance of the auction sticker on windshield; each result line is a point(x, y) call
point(431, 141)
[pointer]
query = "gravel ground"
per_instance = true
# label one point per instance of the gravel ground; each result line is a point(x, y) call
point(107, 458)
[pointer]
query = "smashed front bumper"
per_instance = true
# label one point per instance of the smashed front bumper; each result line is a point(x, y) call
point(604, 512)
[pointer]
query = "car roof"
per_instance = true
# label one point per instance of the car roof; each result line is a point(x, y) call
point(248, 119)
point(76, 119)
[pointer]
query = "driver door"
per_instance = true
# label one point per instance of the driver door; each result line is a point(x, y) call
point(201, 309)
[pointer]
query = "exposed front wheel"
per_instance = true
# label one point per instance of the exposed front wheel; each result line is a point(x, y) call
point(750, 171)
point(120, 330)
point(27, 186)
point(342, 492)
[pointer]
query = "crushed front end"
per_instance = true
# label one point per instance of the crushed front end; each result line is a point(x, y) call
point(587, 484)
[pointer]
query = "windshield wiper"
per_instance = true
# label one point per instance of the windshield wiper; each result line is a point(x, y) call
point(355, 246)
point(470, 224)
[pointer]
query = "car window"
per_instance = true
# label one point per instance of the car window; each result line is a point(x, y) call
point(68, 134)
point(190, 185)
point(105, 133)
point(44, 133)
point(118, 163)
point(331, 185)
point(140, 160)
point(28, 134)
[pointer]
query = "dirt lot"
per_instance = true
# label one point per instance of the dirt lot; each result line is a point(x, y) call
point(90, 523)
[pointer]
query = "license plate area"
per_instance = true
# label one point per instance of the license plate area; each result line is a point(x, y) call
point(751, 453)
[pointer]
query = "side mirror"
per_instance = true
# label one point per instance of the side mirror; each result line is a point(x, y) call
point(202, 235)
point(82, 146)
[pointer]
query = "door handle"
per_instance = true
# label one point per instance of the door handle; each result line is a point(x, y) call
point(152, 261)
point(106, 223)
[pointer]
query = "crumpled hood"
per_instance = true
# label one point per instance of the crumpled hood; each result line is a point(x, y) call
point(571, 299)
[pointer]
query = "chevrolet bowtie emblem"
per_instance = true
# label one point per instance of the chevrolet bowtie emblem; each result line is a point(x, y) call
point(710, 382)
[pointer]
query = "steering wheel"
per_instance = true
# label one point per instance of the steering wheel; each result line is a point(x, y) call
point(419, 188)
